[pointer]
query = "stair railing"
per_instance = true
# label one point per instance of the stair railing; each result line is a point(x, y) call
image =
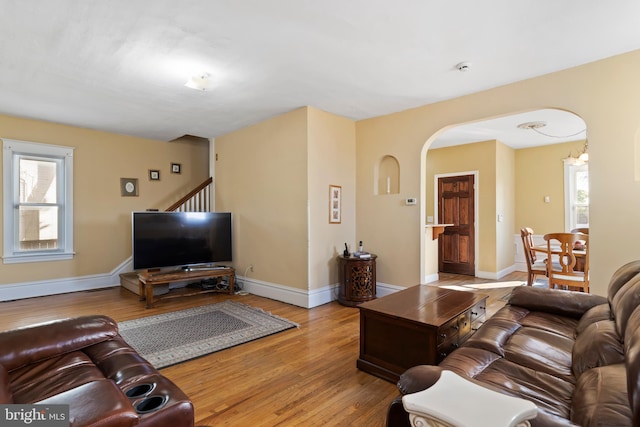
point(197, 200)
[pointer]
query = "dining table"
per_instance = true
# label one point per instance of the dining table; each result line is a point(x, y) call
point(555, 250)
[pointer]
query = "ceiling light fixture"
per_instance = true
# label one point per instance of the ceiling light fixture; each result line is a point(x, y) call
point(584, 156)
point(532, 125)
point(200, 81)
point(581, 159)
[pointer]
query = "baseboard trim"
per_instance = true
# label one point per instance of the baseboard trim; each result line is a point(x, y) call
point(302, 298)
point(432, 278)
point(65, 285)
point(384, 289)
point(299, 297)
point(496, 275)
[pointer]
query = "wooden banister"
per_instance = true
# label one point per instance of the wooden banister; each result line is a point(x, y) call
point(189, 195)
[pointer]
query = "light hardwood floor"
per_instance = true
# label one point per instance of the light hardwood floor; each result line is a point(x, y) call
point(304, 376)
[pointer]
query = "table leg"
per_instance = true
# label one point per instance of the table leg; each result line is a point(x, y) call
point(141, 294)
point(149, 296)
point(231, 283)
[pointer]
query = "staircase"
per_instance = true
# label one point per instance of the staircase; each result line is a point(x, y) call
point(197, 200)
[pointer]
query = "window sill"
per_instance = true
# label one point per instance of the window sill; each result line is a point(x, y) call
point(18, 259)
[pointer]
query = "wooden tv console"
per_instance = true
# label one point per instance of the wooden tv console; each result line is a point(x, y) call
point(147, 279)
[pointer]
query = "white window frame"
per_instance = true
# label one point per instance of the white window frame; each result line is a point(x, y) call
point(570, 169)
point(12, 151)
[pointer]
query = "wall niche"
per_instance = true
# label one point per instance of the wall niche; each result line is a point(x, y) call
point(388, 176)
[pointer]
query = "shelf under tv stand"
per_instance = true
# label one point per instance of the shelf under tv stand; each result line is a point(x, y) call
point(147, 279)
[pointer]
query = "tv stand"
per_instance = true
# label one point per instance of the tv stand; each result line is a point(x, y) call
point(147, 279)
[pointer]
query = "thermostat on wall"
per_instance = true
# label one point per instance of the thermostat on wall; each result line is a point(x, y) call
point(410, 201)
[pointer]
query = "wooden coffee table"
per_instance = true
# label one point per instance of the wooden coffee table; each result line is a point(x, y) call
point(419, 325)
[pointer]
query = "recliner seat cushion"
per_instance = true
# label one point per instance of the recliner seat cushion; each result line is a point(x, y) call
point(5, 391)
point(593, 315)
point(598, 345)
point(600, 398)
point(625, 302)
point(52, 376)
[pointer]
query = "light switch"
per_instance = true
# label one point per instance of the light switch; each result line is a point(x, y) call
point(430, 219)
point(547, 199)
point(500, 217)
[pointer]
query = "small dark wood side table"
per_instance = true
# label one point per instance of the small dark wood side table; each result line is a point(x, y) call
point(357, 280)
point(419, 325)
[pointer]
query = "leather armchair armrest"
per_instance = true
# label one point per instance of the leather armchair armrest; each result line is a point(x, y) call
point(419, 378)
point(37, 342)
point(439, 405)
point(571, 304)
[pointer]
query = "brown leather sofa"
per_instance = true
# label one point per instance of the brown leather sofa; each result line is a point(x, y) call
point(575, 356)
point(84, 363)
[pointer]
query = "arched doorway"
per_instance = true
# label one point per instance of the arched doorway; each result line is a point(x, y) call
point(510, 156)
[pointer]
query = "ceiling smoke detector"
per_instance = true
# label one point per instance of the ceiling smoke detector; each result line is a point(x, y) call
point(463, 66)
point(532, 125)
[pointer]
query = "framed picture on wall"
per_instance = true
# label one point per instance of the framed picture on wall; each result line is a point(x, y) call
point(176, 168)
point(128, 187)
point(154, 175)
point(335, 204)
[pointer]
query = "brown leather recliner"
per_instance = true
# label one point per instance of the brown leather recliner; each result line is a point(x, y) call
point(84, 363)
point(575, 356)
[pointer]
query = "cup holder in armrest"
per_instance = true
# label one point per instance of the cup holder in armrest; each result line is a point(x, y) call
point(140, 390)
point(151, 403)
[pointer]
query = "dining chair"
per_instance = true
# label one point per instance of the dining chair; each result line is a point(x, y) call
point(568, 270)
point(583, 230)
point(535, 267)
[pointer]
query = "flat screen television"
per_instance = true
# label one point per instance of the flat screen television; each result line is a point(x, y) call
point(180, 239)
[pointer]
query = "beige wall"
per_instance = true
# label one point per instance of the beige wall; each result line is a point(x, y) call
point(102, 218)
point(331, 160)
point(274, 176)
point(540, 173)
point(603, 93)
point(261, 177)
point(505, 207)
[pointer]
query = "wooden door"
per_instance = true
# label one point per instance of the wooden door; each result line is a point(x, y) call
point(456, 246)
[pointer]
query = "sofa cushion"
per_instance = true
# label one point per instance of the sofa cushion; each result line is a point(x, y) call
point(632, 361)
point(563, 303)
point(542, 351)
point(96, 404)
point(625, 302)
point(548, 392)
point(5, 391)
point(598, 345)
point(49, 377)
point(493, 335)
point(30, 344)
point(593, 315)
point(559, 325)
point(621, 276)
point(601, 399)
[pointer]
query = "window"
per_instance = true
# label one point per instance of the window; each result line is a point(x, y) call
point(576, 195)
point(38, 202)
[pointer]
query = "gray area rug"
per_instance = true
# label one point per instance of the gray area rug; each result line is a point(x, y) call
point(170, 338)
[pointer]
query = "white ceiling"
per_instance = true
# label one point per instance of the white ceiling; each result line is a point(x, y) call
point(559, 126)
point(121, 65)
